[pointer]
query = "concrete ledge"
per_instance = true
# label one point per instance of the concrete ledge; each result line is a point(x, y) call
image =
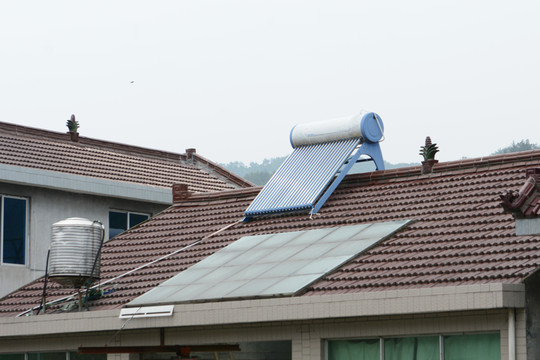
point(84, 184)
point(528, 226)
point(396, 302)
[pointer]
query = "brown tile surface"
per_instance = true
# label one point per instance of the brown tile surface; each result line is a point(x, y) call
point(45, 150)
point(460, 234)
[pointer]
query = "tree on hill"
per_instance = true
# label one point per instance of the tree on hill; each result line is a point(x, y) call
point(523, 145)
point(257, 173)
point(259, 177)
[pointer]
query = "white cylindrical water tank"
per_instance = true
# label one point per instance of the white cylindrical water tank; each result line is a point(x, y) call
point(366, 125)
point(74, 252)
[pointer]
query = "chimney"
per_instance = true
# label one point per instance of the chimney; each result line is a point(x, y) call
point(189, 154)
point(180, 193)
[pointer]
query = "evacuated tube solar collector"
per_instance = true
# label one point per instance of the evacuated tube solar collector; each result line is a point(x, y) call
point(323, 153)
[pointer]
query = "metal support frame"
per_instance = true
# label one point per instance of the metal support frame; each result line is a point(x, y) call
point(373, 150)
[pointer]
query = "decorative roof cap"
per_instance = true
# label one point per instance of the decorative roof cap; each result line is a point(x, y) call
point(525, 202)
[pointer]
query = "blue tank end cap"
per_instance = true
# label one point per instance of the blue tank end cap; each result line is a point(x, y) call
point(371, 126)
point(291, 136)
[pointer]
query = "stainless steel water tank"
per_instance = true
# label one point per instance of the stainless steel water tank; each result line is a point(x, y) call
point(75, 244)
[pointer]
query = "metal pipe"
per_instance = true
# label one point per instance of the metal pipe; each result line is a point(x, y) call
point(44, 294)
point(511, 334)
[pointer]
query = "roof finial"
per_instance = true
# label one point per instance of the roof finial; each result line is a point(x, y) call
point(428, 151)
point(72, 124)
point(73, 127)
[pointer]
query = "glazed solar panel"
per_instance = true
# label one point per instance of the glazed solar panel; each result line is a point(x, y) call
point(302, 178)
point(269, 265)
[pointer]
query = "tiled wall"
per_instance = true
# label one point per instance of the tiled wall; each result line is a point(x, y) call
point(307, 336)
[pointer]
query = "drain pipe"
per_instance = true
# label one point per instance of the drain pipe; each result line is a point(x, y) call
point(511, 334)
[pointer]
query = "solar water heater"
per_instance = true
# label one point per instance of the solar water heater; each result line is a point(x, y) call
point(323, 154)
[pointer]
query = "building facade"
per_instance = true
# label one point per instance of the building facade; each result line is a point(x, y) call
point(398, 264)
point(46, 177)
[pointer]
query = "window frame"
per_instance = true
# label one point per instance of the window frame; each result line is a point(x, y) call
point(68, 355)
point(128, 213)
point(381, 339)
point(26, 228)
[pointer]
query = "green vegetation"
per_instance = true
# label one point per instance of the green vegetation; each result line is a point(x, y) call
point(254, 172)
point(523, 145)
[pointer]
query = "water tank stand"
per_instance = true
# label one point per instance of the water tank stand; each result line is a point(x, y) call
point(80, 299)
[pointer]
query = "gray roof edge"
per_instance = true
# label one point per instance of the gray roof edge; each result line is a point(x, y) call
point(84, 184)
point(443, 299)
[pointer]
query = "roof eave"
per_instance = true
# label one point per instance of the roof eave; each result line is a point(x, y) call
point(375, 303)
point(84, 184)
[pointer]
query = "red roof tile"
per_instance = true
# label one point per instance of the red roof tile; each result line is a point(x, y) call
point(51, 151)
point(460, 234)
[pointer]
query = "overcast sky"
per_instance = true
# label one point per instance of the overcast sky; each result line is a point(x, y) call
point(231, 78)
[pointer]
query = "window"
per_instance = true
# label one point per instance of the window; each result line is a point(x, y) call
point(472, 347)
point(354, 349)
point(120, 221)
point(13, 223)
point(47, 356)
point(53, 356)
point(423, 347)
point(11, 356)
point(455, 347)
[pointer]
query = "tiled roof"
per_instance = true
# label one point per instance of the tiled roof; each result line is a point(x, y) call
point(52, 151)
point(460, 234)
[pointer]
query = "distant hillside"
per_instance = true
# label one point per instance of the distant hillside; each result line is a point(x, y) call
point(259, 173)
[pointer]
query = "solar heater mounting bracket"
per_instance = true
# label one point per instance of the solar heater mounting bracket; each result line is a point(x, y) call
point(371, 149)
